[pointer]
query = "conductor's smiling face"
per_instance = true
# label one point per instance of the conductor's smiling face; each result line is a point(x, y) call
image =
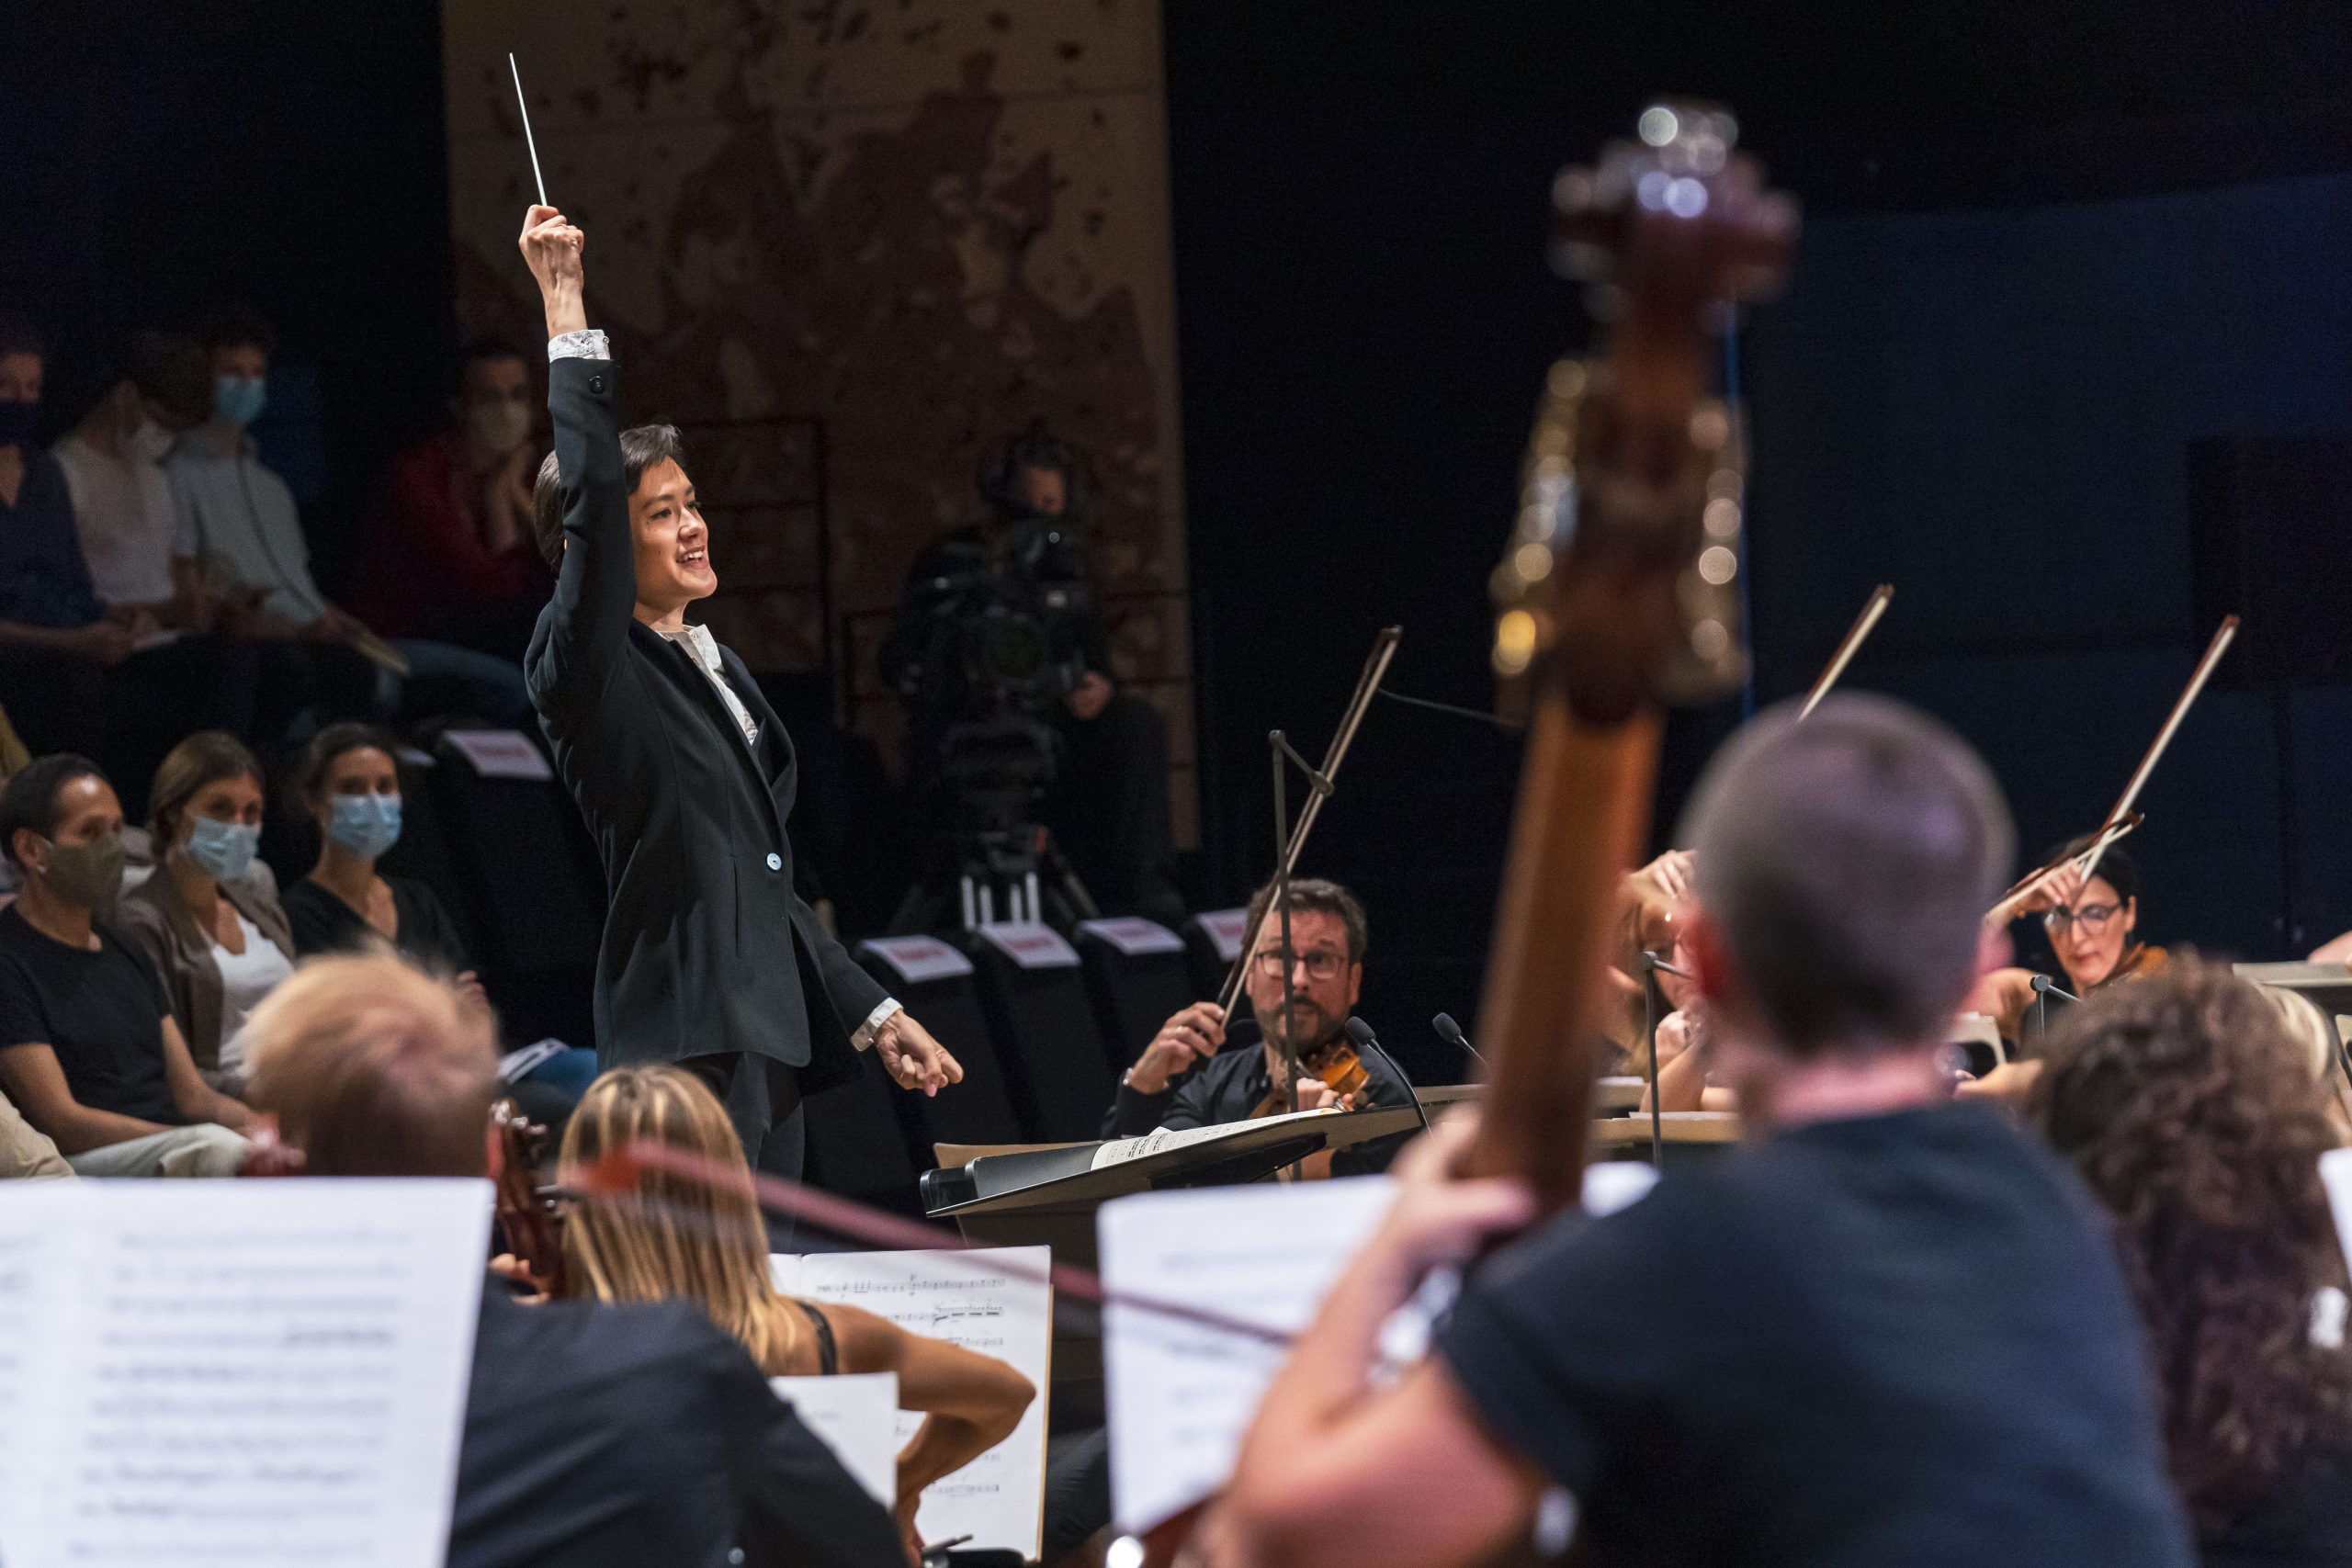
point(673, 545)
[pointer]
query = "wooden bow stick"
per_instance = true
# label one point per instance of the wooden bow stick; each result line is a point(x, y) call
point(1375, 667)
point(1864, 623)
point(2223, 636)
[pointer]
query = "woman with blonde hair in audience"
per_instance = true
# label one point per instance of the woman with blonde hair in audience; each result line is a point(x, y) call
point(673, 1236)
point(208, 917)
point(2199, 1117)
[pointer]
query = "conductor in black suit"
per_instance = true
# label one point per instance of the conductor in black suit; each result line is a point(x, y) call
point(709, 959)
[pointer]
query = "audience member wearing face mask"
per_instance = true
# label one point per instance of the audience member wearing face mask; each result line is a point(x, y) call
point(450, 553)
point(89, 1049)
point(238, 543)
point(113, 463)
point(76, 672)
point(351, 785)
point(209, 917)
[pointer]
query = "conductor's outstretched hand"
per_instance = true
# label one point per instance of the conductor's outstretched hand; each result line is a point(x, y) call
point(914, 1059)
point(552, 245)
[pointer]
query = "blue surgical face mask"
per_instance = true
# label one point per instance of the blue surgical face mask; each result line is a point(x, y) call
point(238, 399)
point(367, 825)
point(222, 851)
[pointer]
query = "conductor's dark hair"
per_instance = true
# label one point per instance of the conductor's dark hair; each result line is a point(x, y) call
point(30, 799)
point(17, 337)
point(235, 326)
point(643, 446)
point(1314, 895)
point(1847, 862)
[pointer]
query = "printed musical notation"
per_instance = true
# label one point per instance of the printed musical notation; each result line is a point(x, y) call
point(257, 1372)
point(994, 1301)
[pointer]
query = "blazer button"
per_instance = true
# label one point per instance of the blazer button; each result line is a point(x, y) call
point(775, 862)
point(595, 383)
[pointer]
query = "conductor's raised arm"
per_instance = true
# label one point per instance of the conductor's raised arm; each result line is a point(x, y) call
point(582, 642)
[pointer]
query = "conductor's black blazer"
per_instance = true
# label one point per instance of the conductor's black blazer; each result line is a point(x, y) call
point(707, 948)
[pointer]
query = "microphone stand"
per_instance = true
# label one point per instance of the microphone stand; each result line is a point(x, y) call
point(1652, 966)
point(1289, 842)
point(2043, 988)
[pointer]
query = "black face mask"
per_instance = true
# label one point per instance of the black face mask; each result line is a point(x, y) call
point(16, 422)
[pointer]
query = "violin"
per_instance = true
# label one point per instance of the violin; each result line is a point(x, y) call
point(1618, 592)
point(1338, 1064)
point(529, 1226)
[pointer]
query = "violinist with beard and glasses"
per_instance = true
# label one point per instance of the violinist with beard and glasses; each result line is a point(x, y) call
point(1186, 1079)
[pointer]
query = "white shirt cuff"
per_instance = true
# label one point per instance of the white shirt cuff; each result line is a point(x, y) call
point(588, 343)
point(864, 1038)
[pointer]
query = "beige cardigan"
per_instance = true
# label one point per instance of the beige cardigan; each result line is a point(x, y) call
point(155, 917)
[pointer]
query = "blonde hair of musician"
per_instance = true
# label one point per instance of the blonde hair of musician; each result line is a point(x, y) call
point(672, 1234)
point(373, 1068)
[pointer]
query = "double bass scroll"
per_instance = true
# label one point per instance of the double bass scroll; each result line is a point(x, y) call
point(1618, 592)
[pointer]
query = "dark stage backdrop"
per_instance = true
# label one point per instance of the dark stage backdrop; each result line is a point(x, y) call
point(2042, 259)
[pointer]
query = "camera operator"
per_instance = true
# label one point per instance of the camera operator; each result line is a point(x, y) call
point(1000, 656)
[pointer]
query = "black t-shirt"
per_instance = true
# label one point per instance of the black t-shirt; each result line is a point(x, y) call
point(1898, 1339)
point(102, 1012)
point(323, 922)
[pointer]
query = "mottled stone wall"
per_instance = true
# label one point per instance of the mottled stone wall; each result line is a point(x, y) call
point(846, 244)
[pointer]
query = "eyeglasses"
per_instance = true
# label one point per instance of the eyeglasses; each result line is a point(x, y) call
point(2092, 917)
point(1324, 965)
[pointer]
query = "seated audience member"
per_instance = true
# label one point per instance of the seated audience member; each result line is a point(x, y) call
point(67, 662)
point(88, 1050)
point(26, 1153)
point(1184, 1079)
point(2092, 930)
point(674, 1237)
point(237, 541)
point(594, 1434)
point(208, 917)
point(450, 553)
point(2195, 1115)
point(240, 535)
point(351, 784)
point(1889, 1330)
point(113, 463)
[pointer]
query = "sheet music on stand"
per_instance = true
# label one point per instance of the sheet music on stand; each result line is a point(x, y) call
point(994, 1301)
point(856, 1415)
point(251, 1372)
point(1182, 1394)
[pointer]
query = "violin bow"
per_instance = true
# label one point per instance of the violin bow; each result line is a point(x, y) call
point(2002, 914)
point(1375, 670)
point(1856, 635)
point(2223, 636)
